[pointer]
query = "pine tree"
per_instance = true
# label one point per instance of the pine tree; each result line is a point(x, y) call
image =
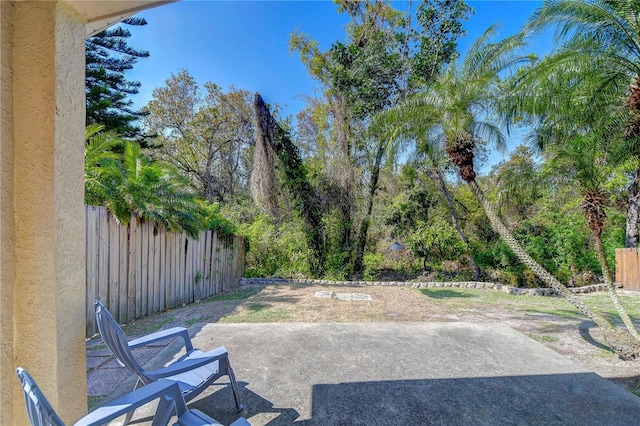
point(108, 57)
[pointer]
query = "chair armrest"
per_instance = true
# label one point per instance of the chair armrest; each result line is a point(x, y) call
point(163, 335)
point(133, 400)
point(186, 365)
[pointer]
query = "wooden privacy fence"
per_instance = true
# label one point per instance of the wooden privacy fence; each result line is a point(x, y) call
point(141, 269)
point(628, 268)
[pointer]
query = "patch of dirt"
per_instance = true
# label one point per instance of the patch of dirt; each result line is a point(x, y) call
point(568, 334)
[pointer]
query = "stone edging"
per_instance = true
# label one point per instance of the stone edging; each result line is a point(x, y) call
point(462, 284)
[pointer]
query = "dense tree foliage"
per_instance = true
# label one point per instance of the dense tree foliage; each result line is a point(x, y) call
point(206, 135)
point(385, 55)
point(601, 39)
point(130, 183)
point(373, 183)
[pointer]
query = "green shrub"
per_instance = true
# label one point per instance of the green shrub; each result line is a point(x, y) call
point(372, 262)
point(436, 241)
point(275, 249)
point(338, 256)
point(559, 241)
point(214, 219)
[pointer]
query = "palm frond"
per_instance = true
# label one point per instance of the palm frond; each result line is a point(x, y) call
point(612, 23)
point(490, 133)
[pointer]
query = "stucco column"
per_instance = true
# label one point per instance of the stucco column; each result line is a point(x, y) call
point(42, 231)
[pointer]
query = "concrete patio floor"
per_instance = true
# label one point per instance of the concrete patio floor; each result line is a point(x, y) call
point(402, 373)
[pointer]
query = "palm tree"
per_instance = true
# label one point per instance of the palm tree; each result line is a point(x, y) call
point(584, 156)
point(575, 125)
point(129, 183)
point(458, 102)
point(102, 170)
point(157, 193)
point(606, 32)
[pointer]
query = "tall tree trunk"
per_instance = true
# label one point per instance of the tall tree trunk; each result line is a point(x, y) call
point(208, 187)
point(263, 179)
point(344, 170)
point(296, 180)
point(364, 226)
point(620, 341)
point(633, 209)
point(437, 176)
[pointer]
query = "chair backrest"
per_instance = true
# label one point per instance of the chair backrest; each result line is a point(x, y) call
point(115, 339)
point(41, 413)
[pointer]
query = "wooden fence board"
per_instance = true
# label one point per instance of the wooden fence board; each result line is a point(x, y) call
point(147, 270)
point(114, 263)
point(170, 265)
point(198, 281)
point(132, 268)
point(214, 264)
point(144, 271)
point(189, 271)
point(197, 268)
point(154, 270)
point(182, 282)
point(92, 270)
point(201, 254)
point(162, 277)
point(175, 300)
point(103, 253)
point(223, 260)
point(240, 263)
point(139, 295)
point(206, 274)
point(236, 259)
point(193, 280)
point(123, 289)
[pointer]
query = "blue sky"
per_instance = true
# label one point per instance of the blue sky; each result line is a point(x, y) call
point(245, 43)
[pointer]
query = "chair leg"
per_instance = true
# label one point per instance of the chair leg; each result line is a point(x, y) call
point(129, 415)
point(164, 412)
point(234, 386)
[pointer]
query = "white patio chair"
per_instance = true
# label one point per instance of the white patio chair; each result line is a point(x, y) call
point(41, 413)
point(194, 371)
